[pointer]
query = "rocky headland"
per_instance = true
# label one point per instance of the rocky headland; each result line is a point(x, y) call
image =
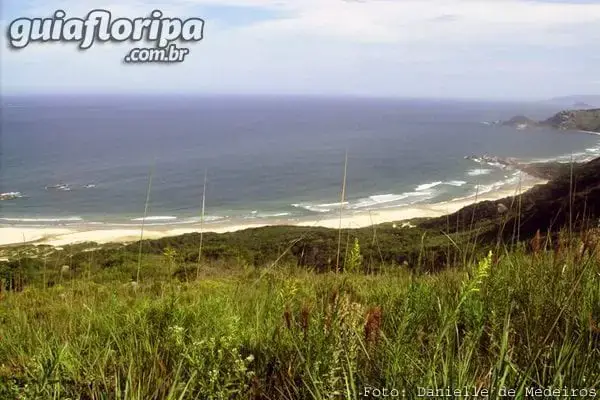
point(587, 120)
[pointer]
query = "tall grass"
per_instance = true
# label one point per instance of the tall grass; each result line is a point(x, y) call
point(516, 320)
point(202, 224)
point(342, 199)
point(146, 204)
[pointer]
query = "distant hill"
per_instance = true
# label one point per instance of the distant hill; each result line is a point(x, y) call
point(576, 101)
point(583, 120)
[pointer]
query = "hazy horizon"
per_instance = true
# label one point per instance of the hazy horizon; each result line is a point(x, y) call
point(184, 95)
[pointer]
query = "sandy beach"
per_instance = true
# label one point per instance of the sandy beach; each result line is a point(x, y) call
point(59, 236)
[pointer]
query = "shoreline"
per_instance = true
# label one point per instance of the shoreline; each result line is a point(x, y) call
point(60, 236)
point(590, 132)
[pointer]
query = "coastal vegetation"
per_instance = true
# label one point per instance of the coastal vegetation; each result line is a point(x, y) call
point(502, 295)
point(514, 318)
point(582, 120)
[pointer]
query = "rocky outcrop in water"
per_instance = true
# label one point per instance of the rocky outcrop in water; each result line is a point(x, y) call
point(520, 122)
point(11, 195)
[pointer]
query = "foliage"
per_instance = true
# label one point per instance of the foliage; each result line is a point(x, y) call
point(512, 319)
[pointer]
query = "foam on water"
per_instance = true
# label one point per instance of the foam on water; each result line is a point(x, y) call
point(510, 180)
point(393, 200)
point(420, 194)
point(402, 160)
point(427, 186)
point(320, 208)
point(456, 183)
point(256, 214)
point(312, 208)
point(206, 218)
point(41, 220)
point(479, 171)
point(155, 218)
point(12, 194)
point(583, 156)
point(594, 150)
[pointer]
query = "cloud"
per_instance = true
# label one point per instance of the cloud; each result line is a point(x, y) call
point(371, 21)
point(393, 21)
point(388, 47)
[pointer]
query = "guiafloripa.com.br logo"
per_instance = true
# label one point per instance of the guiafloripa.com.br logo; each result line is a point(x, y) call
point(98, 25)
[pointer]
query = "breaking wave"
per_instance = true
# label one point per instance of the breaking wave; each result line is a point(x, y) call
point(155, 218)
point(427, 186)
point(36, 220)
point(479, 171)
point(319, 208)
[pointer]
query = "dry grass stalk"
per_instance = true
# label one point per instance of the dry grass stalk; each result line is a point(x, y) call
point(373, 326)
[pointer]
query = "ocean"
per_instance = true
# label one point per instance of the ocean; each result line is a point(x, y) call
point(88, 159)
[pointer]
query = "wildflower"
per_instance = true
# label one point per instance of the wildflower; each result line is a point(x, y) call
point(355, 258)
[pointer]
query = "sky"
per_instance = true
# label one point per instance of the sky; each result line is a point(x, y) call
point(484, 49)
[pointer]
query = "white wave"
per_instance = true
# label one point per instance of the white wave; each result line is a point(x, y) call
point(65, 219)
point(281, 214)
point(485, 161)
point(12, 194)
point(167, 221)
point(499, 165)
point(483, 189)
point(455, 183)
point(332, 204)
point(207, 218)
point(479, 171)
point(385, 200)
point(320, 208)
point(266, 215)
point(427, 186)
point(155, 218)
point(566, 158)
point(312, 208)
point(379, 199)
point(590, 132)
point(514, 179)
